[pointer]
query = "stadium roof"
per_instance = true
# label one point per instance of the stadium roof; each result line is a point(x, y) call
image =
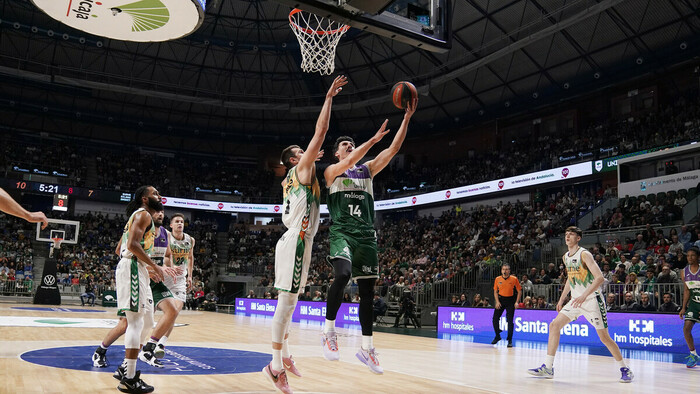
point(238, 75)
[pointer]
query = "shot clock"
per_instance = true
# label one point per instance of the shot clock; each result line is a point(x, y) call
point(60, 202)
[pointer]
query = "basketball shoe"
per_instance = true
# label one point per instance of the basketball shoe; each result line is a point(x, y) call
point(542, 371)
point(99, 358)
point(120, 373)
point(290, 366)
point(692, 360)
point(134, 385)
point(369, 358)
point(330, 346)
point(627, 375)
point(159, 352)
point(279, 379)
point(146, 355)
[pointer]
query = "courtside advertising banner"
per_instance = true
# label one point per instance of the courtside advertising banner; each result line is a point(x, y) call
point(305, 310)
point(536, 178)
point(639, 331)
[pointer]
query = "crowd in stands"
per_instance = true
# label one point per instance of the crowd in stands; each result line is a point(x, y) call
point(16, 255)
point(638, 211)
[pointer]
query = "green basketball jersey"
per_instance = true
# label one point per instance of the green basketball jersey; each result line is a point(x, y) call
point(351, 201)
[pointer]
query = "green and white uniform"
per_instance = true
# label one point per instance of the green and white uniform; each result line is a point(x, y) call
point(301, 215)
point(580, 279)
point(180, 249)
point(352, 235)
point(133, 289)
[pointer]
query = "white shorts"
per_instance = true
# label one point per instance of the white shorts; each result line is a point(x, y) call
point(178, 288)
point(133, 287)
point(292, 261)
point(593, 309)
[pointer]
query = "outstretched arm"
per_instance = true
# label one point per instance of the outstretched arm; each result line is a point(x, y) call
point(383, 158)
point(356, 155)
point(305, 166)
point(7, 204)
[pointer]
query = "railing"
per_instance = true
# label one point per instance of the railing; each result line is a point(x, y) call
point(24, 287)
point(656, 291)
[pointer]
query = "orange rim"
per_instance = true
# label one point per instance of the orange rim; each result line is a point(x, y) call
point(342, 28)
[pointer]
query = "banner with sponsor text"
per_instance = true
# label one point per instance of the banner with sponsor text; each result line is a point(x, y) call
point(305, 310)
point(640, 331)
point(494, 186)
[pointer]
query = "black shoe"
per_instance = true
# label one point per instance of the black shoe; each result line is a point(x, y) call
point(149, 357)
point(99, 358)
point(510, 343)
point(120, 373)
point(496, 339)
point(134, 385)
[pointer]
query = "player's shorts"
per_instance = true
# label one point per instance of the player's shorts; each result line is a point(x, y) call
point(133, 287)
point(692, 312)
point(593, 309)
point(160, 292)
point(292, 261)
point(360, 250)
point(178, 288)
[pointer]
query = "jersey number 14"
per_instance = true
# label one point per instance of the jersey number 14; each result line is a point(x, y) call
point(355, 210)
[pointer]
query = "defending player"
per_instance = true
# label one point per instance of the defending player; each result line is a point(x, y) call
point(301, 215)
point(163, 299)
point(690, 308)
point(134, 296)
point(353, 241)
point(584, 281)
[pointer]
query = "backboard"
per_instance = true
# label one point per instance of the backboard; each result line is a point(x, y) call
point(421, 23)
point(58, 228)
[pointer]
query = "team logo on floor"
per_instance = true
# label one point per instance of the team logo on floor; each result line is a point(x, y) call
point(178, 360)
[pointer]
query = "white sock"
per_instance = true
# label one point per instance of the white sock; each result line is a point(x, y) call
point(130, 368)
point(621, 363)
point(549, 361)
point(694, 352)
point(276, 363)
point(330, 326)
point(367, 342)
point(285, 348)
point(162, 340)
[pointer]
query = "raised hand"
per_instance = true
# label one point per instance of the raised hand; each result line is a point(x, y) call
point(320, 155)
point(337, 86)
point(411, 108)
point(381, 132)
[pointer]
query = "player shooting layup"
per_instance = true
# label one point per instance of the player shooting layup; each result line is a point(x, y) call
point(301, 215)
point(584, 281)
point(353, 241)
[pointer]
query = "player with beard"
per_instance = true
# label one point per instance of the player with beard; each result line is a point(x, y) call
point(163, 300)
point(134, 296)
point(353, 241)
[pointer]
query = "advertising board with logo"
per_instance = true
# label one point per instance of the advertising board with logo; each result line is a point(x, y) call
point(304, 311)
point(640, 331)
point(682, 180)
point(128, 20)
point(536, 178)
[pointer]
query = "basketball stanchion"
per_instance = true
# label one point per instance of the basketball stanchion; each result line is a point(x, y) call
point(318, 38)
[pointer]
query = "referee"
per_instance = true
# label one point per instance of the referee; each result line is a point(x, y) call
point(503, 293)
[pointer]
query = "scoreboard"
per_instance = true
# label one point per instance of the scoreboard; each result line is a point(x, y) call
point(60, 202)
point(73, 191)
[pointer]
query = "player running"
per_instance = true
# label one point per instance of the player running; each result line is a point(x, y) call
point(584, 281)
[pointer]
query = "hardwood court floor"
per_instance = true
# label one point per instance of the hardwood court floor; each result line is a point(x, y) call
point(412, 364)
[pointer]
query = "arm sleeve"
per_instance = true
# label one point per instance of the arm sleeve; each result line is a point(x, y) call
point(517, 285)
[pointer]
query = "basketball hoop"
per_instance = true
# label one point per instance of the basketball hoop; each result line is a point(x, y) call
point(56, 244)
point(318, 37)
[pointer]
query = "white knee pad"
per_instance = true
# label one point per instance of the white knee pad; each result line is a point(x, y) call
point(147, 327)
point(286, 302)
point(133, 330)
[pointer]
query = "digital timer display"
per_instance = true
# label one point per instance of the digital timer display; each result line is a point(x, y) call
point(74, 191)
point(60, 202)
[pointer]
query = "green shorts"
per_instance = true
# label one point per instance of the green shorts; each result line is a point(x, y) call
point(692, 312)
point(160, 292)
point(360, 251)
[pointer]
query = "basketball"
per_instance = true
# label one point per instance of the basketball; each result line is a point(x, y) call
point(403, 93)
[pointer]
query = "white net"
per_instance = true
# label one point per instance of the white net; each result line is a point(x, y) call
point(318, 37)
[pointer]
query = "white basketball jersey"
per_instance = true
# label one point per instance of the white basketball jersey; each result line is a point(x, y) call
point(579, 276)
